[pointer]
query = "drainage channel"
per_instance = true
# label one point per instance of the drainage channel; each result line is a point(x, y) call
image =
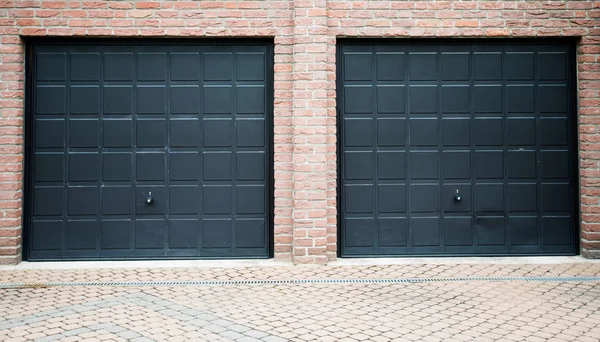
point(297, 282)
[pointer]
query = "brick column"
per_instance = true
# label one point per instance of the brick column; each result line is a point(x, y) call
point(11, 147)
point(588, 67)
point(309, 63)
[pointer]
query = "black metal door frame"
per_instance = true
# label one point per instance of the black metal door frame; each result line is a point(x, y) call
point(571, 42)
point(30, 44)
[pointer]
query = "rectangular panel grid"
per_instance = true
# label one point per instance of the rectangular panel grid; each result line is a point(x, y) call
point(422, 124)
point(150, 151)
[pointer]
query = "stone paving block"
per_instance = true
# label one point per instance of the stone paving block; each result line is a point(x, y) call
point(128, 334)
point(273, 339)
point(480, 311)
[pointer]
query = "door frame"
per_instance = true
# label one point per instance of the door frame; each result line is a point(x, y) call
point(28, 122)
point(570, 42)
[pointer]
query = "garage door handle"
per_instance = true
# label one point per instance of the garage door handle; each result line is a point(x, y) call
point(149, 199)
point(457, 196)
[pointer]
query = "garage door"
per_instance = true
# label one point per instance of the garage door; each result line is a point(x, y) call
point(457, 148)
point(145, 150)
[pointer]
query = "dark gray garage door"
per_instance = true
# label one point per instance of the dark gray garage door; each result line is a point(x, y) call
point(456, 148)
point(149, 151)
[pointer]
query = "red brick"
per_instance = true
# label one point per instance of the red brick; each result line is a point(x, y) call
point(305, 147)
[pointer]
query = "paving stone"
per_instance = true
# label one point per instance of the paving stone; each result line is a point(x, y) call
point(457, 311)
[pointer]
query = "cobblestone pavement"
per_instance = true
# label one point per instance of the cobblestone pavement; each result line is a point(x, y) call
point(455, 309)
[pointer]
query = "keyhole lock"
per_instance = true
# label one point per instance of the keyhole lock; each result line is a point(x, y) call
point(457, 196)
point(149, 200)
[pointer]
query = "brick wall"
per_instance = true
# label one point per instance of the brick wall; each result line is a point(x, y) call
point(305, 133)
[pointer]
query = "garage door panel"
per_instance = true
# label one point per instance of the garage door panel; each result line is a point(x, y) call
point(184, 233)
point(184, 132)
point(184, 99)
point(151, 133)
point(218, 66)
point(250, 233)
point(552, 66)
point(423, 66)
point(185, 66)
point(250, 166)
point(522, 197)
point(554, 164)
point(556, 230)
point(555, 197)
point(391, 165)
point(520, 98)
point(51, 99)
point(521, 131)
point(151, 66)
point(359, 199)
point(458, 231)
point(116, 166)
point(487, 66)
point(50, 167)
point(391, 198)
point(184, 166)
point(157, 195)
point(521, 164)
point(49, 133)
point(51, 66)
point(151, 99)
point(425, 232)
point(250, 65)
point(390, 132)
point(393, 231)
point(84, 167)
point(456, 66)
point(116, 234)
point(391, 99)
point(250, 132)
point(358, 99)
point(118, 66)
point(452, 203)
point(360, 232)
point(523, 230)
point(84, 100)
point(423, 99)
point(84, 133)
point(456, 99)
point(489, 164)
point(424, 165)
point(82, 234)
point(456, 132)
point(553, 98)
point(250, 99)
point(83, 200)
point(424, 198)
point(149, 234)
point(456, 165)
point(359, 66)
point(118, 99)
point(216, 233)
point(117, 133)
point(487, 99)
point(554, 131)
point(117, 200)
point(85, 66)
point(424, 132)
point(150, 166)
point(519, 66)
point(390, 66)
point(490, 231)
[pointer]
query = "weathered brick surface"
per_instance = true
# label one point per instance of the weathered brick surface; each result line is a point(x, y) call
point(305, 33)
